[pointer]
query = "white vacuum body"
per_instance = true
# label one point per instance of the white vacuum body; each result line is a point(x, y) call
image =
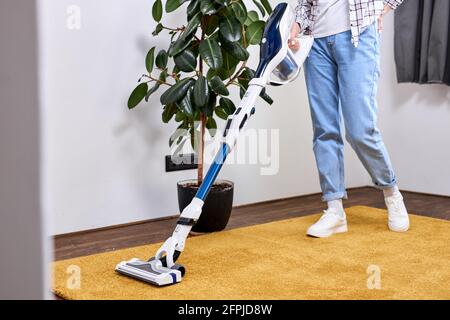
point(289, 69)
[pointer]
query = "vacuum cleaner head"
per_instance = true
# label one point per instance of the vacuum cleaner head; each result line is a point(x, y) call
point(151, 271)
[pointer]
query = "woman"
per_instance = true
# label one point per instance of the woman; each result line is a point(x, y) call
point(342, 74)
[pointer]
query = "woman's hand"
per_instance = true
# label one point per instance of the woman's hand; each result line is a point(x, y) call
point(381, 17)
point(294, 44)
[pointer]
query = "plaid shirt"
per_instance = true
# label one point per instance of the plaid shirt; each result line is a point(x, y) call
point(362, 14)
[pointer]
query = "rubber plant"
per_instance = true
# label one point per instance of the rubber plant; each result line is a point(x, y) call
point(206, 57)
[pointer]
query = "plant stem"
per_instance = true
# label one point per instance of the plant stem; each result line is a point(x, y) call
point(175, 29)
point(156, 80)
point(244, 64)
point(244, 37)
point(236, 75)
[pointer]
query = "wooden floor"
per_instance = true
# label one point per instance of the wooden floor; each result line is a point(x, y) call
point(97, 241)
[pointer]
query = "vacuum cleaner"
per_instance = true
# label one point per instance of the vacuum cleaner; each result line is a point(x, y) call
point(278, 65)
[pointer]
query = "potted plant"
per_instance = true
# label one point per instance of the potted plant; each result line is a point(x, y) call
point(206, 57)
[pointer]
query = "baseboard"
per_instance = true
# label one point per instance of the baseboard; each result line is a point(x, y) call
point(425, 193)
point(117, 226)
point(315, 194)
point(77, 233)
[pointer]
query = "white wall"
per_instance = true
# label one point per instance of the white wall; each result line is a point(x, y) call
point(415, 121)
point(104, 164)
point(24, 241)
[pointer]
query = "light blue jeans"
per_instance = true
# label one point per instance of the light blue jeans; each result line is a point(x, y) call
point(342, 79)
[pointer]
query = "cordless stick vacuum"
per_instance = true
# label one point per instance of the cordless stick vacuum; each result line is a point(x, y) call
point(278, 65)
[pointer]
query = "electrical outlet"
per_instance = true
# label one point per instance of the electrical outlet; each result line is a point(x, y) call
point(181, 162)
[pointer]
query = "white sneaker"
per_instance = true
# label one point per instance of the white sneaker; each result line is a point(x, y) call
point(398, 219)
point(330, 223)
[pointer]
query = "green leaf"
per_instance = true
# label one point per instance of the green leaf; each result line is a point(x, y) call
point(221, 113)
point(172, 35)
point(172, 5)
point(163, 76)
point(180, 116)
point(218, 86)
point(157, 10)
point(176, 92)
point(246, 75)
point(152, 91)
point(240, 11)
point(185, 105)
point(211, 125)
point(162, 59)
point(242, 92)
point(252, 16)
point(176, 70)
point(158, 29)
point(227, 105)
point(209, 7)
point(210, 24)
point(179, 45)
point(211, 53)
point(193, 138)
point(194, 47)
point(197, 115)
point(267, 6)
point(230, 28)
point(193, 8)
point(150, 59)
point(260, 7)
point(236, 49)
point(137, 95)
point(193, 24)
point(212, 73)
point(208, 110)
point(186, 61)
point(168, 112)
point(254, 32)
point(222, 2)
point(201, 92)
point(228, 66)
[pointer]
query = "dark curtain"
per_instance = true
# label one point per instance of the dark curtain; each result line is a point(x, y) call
point(422, 41)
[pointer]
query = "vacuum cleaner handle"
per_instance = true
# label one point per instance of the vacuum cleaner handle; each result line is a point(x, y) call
point(274, 50)
point(289, 69)
point(172, 247)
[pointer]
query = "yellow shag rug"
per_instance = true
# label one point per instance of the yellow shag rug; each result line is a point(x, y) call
point(277, 261)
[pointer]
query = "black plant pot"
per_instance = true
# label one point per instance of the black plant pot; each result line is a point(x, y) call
point(217, 208)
